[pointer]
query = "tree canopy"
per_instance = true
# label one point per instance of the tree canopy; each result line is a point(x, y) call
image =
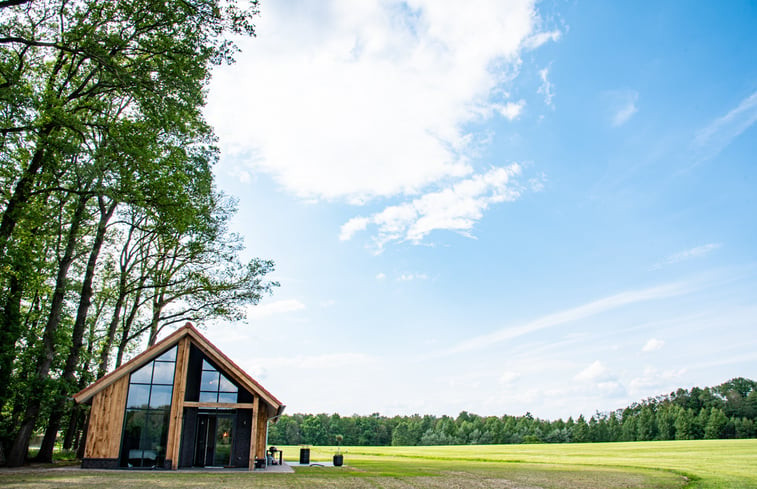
point(111, 228)
point(726, 411)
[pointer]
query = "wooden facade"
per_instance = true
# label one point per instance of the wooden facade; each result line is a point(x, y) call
point(181, 403)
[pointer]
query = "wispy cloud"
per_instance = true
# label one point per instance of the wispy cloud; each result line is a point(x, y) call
point(511, 110)
point(508, 377)
point(573, 314)
point(456, 208)
point(540, 38)
point(652, 380)
point(719, 133)
point(622, 105)
point(594, 372)
point(274, 308)
point(696, 252)
point(331, 360)
point(353, 226)
point(407, 277)
point(546, 88)
point(653, 345)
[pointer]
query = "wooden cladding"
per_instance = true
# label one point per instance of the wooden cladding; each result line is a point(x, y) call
point(177, 403)
point(106, 421)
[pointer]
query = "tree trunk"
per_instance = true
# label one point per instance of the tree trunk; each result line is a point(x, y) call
point(10, 332)
point(73, 424)
point(157, 308)
point(20, 446)
point(126, 329)
point(102, 368)
point(82, 443)
point(77, 337)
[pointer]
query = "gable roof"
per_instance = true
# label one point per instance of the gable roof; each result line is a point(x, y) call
point(224, 363)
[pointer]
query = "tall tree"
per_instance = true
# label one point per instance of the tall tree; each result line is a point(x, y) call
point(73, 75)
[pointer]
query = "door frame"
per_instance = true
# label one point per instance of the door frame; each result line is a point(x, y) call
point(205, 439)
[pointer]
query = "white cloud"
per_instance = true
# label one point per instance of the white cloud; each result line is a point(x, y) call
point(594, 372)
point(347, 101)
point(696, 252)
point(719, 133)
point(456, 208)
point(380, 276)
point(406, 277)
point(546, 87)
point(540, 38)
point(508, 377)
point(273, 308)
point(511, 110)
point(655, 381)
point(622, 104)
point(653, 345)
point(353, 226)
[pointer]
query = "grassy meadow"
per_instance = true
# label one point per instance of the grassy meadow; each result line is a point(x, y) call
point(706, 464)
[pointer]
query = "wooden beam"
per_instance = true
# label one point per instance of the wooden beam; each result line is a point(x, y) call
point(262, 425)
point(220, 405)
point(254, 431)
point(176, 418)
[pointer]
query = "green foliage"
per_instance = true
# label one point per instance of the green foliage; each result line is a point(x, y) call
point(110, 226)
point(662, 418)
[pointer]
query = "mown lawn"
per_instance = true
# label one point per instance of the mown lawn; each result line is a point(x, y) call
point(717, 464)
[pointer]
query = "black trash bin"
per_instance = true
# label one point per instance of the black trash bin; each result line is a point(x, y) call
point(304, 456)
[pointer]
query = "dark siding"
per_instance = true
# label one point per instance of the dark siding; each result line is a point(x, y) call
point(194, 372)
point(241, 455)
point(188, 435)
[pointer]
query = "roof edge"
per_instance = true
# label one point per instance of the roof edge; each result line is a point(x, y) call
point(155, 350)
point(158, 348)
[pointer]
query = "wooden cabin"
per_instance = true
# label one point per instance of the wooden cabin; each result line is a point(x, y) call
point(181, 403)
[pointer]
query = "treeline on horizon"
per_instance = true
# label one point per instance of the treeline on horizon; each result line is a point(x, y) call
point(726, 411)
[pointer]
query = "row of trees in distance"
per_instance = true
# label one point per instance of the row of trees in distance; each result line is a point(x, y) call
point(726, 411)
point(110, 226)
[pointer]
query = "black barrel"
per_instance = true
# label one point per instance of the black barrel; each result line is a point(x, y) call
point(304, 456)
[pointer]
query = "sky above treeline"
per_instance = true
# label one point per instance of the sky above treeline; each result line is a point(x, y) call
point(494, 206)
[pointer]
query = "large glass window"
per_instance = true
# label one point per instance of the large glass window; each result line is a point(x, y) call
point(215, 387)
point(148, 405)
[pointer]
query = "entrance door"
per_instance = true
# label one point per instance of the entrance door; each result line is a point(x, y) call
point(214, 440)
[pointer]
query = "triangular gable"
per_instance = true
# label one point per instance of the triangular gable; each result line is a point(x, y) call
point(226, 365)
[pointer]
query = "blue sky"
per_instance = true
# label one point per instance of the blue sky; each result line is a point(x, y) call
point(497, 207)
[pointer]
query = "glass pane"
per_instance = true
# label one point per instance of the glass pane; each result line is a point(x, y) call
point(169, 356)
point(138, 396)
point(223, 441)
point(131, 454)
point(154, 439)
point(143, 375)
point(161, 397)
point(207, 366)
point(163, 373)
point(208, 397)
point(227, 397)
point(226, 385)
point(209, 381)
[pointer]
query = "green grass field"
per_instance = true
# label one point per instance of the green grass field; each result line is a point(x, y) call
point(715, 464)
